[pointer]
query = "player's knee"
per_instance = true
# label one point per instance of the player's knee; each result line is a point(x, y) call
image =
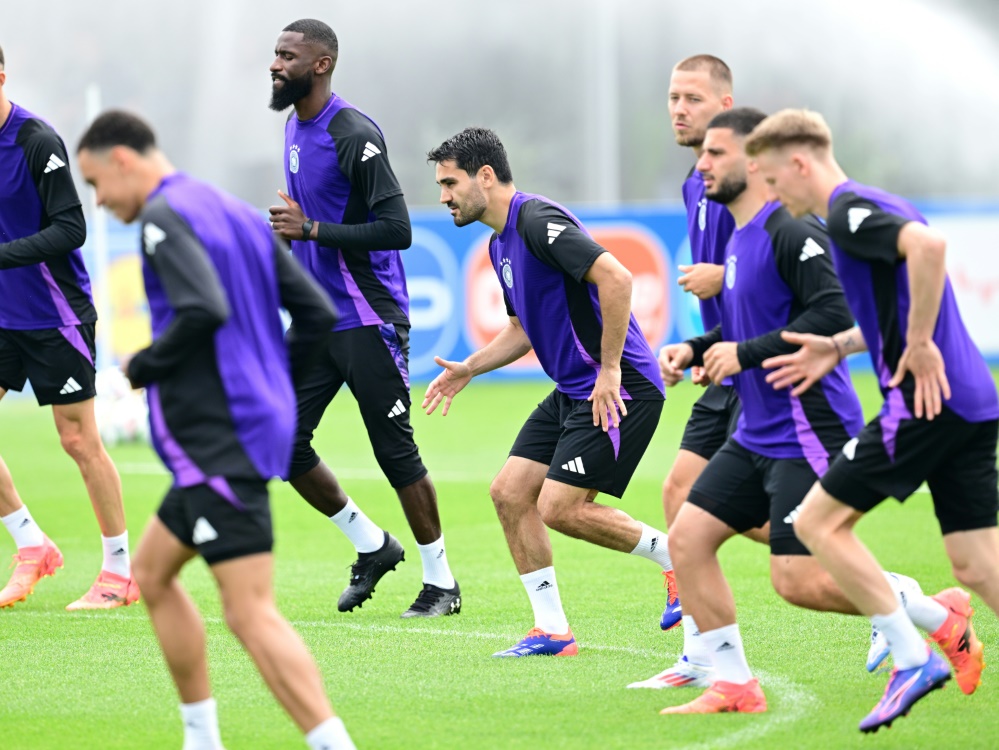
point(972, 574)
point(791, 587)
point(555, 516)
point(505, 496)
point(151, 580)
point(675, 490)
point(74, 442)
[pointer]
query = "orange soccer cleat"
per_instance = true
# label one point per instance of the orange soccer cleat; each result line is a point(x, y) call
point(957, 639)
point(109, 591)
point(723, 698)
point(32, 565)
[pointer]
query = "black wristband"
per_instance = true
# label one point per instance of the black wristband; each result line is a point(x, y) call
point(307, 229)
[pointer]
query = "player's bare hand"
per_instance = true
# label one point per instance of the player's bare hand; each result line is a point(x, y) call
point(703, 280)
point(722, 361)
point(802, 369)
point(287, 220)
point(608, 406)
point(446, 386)
point(673, 360)
point(926, 364)
point(699, 376)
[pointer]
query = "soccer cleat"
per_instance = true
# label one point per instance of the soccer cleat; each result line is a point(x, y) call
point(434, 601)
point(368, 570)
point(673, 613)
point(905, 687)
point(31, 564)
point(110, 590)
point(539, 643)
point(957, 639)
point(878, 651)
point(724, 698)
point(681, 674)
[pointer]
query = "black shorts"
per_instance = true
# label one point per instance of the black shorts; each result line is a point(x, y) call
point(560, 434)
point(228, 519)
point(712, 421)
point(374, 363)
point(59, 362)
point(957, 459)
point(744, 490)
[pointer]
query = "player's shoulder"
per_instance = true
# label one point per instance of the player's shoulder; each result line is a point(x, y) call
point(536, 213)
point(35, 132)
point(793, 234)
point(351, 124)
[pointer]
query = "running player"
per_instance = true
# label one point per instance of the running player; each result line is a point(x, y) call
point(570, 301)
point(939, 422)
point(47, 321)
point(347, 220)
point(221, 406)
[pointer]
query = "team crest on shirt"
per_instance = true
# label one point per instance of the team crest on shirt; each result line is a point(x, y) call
point(507, 272)
point(702, 213)
point(730, 272)
point(293, 159)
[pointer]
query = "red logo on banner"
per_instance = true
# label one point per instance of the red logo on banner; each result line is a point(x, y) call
point(637, 249)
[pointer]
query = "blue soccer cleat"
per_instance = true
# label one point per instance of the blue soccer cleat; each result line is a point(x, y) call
point(539, 643)
point(905, 687)
point(673, 613)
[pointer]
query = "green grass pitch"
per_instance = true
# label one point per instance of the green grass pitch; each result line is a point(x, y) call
point(77, 680)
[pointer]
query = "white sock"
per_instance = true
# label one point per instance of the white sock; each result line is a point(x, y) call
point(330, 735)
point(23, 528)
point(924, 612)
point(727, 655)
point(116, 557)
point(652, 546)
point(694, 647)
point(907, 646)
point(201, 725)
point(435, 567)
point(358, 528)
point(542, 590)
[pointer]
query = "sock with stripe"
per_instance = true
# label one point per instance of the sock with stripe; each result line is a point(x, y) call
point(116, 557)
point(727, 655)
point(23, 529)
point(542, 590)
point(652, 546)
point(358, 528)
point(436, 571)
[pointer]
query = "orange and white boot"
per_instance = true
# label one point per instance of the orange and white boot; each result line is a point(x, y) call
point(109, 591)
point(31, 564)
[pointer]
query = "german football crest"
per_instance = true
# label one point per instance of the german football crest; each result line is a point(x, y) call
point(702, 213)
point(293, 160)
point(507, 273)
point(730, 272)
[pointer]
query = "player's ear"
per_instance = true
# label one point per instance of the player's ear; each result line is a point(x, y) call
point(801, 164)
point(486, 176)
point(324, 65)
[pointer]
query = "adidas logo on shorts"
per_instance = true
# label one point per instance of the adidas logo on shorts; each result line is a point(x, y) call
point(575, 466)
point(71, 387)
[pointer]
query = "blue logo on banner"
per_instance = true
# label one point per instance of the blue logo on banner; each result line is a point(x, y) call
point(435, 303)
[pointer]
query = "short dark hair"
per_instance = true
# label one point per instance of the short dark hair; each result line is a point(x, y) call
point(118, 128)
point(471, 150)
point(317, 32)
point(715, 67)
point(740, 120)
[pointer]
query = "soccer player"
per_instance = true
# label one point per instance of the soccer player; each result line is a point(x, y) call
point(347, 220)
point(782, 443)
point(47, 321)
point(570, 301)
point(221, 406)
point(939, 422)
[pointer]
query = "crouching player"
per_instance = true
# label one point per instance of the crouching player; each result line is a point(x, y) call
point(222, 414)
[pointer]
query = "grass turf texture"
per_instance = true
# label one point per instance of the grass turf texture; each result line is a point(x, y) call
point(97, 679)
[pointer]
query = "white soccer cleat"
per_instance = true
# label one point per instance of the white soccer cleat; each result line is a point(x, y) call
point(681, 674)
point(904, 587)
point(878, 651)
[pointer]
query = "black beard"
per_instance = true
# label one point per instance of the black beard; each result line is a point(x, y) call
point(728, 190)
point(293, 90)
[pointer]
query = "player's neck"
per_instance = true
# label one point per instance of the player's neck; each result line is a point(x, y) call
point(155, 168)
point(748, 204)
point(498, 210)
point(828, 176)
point(311, 105)
point(5, 109)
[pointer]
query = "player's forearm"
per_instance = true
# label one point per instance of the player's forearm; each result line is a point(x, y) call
point(700, 344)
point(390, 230)
point(825, 316)
point(614, 294)
point(926, 262)
point(66, 233)
point(509, 345)
point(187, 332)
point(850, 341)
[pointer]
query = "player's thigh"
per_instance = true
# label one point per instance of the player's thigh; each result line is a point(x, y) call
point(539, 436)
point(519, 481)
point(687, 466)
point(965, 486)
point(159, 556)
point(787, 481)
point(589, 458)
point(375, 364)
point(731, 489)
point(315, 389)
point(222, 520)
point(59, 363)
point(709, 425)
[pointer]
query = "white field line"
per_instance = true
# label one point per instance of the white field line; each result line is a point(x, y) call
point(795, 700)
